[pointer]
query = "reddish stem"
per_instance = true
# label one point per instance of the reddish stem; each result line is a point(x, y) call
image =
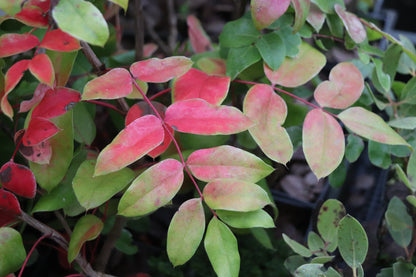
point(104, 104)
point(17, 148)
point(329, 37)
point(31, 251)
point(160, 93)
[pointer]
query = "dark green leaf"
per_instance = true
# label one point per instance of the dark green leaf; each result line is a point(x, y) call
point(379, 154)
point(399, 222)
point(238, 33)
point(84, 126)
point(355, 146)
point(272, 49)
point(241, 58)
point(391, 60)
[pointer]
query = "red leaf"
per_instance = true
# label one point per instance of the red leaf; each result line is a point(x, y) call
point(197, 84)
point(141, 109)
point(18, 179)
point(14, 74)
point(37, 97)
point(265, 12)
point(199, 39)
point(197, 116)
point(39, 130)
point(40, 153)
point(12, 44)
point(57, 40)
point(149, 49)
point(34, 13)
point(114, 84)
point(41, 67)
point(9, 208)
point(133, 142)
point(160, 70)
point(56, 102)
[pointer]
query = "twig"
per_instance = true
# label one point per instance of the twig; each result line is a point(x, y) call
point(165, 49)
point(98, 66)
point(173, 31)
point(139, 30)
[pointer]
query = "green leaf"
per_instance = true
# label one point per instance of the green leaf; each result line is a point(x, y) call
point(126, 243)
point(327, 6)
point(222, 249)
point(50, 175)
point(258, 218)
point(235, 195)
point(371, 126)
point(291, 40)
point(272, 49)
point(391, 59)
point(297, 247)
point(238, 33)
point(122, 3)
point(411, 170)
point(407, 123)
point(337, 177)
point(84, 125)
point(403, 269)
point(309, 270)
point(153, 189)
point(185, 231)
point(402, 176)
point(62, 64)
point(330, 214)
point(378, 154)
point(352, 241)
point(11, 7)
point(262, 236)
point(87, 228)
point(82, 20)
point(411, 199)
point(12, 251)
point(383, 78)
point(408, 93)
point(315, 243)
point(399, 222)
point(355, 146)
point(322, 259)
point(92, 191)
point(240, 59)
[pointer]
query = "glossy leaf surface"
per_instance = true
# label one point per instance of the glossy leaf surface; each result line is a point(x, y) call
point(92, 191)
point(157, 70)
point(132, 143)
point(323, 142)
point(18, 179)
point(343, 88)
point(185, 231)
point(222, 249)
point(12, 251)
point(12, 44)
point(56, 102)
point(253, 219)
point(369, 125)
point(87, 228)
point(352, 23)
point(153, 189)
point(57, 40)
point(198, 38)
point(268, 110)
point(197, 84)
point(227, 162)
point(298, 70)
point(41, 67)
point(265, 12)
point(9, 208)
point(235, 195)
point(40, 153)
point(196, 116)
point(82, 20)
point(39, 130)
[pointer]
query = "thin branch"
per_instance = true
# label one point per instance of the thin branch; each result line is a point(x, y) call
point(98, 66)
point(139, 30)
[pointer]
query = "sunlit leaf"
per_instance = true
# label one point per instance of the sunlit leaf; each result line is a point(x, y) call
point(185, 231)
point(227, 162)
point(9, 208)
point(197, 84)
point(12, 44)
point(268, 110)
point(199, 39)
point(343, 88)
point(352, 23)
point(301, 12)
point(235, 195)
point(222, 249)
point(323, 142)
point(196, 116)
point(116, 83)
point(39, 130)
point(132, 143)
point(40, 153)
point(253, 219)
point(371, 126)
point(87, 228)
point(12, 251)
point(153, 189)
point(265, 12)
point(157, 70)
point(298, 70)
point(41, 67)
point(92, 191)
point(18, 179)
point(82, 20)
point(57, 40)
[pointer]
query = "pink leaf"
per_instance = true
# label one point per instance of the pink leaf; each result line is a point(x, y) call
point(57, 40)
point(298, 70)
point(268, 110)
point(353, 25)
point(56, 102)
point(39, 130)
point(316, 17)
point(160, 70)
point(153, 189)
point(197, 116)
point(149, 49)
point(301, 12)
point(133, 142)
point(235, 195)
point(227, 162)
point(18, 179)
point(37, 97)
point(343, 88)
point(12, 44)
point(197, 84)
point(141, 109)
point(9, 208)
point(212, 66)
point(116, 83)
point(199, 39)
point(265, 12)
point(323, 142)
point(40, 153)
point(41, 67)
